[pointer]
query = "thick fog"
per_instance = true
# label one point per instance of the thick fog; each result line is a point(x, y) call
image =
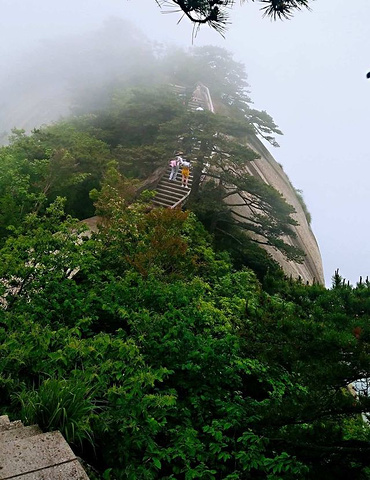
point(309, 73)
point(45, 82)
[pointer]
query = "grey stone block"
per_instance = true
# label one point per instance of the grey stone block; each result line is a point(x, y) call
point(67, 471)
point(33, 453)
point(6, 424)
point(12, 434)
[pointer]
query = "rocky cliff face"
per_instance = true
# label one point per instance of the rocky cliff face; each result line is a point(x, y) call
point(269, 171)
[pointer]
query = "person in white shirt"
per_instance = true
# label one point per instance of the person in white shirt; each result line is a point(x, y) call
point(175, 166)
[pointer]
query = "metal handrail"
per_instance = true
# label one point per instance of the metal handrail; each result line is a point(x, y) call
point(208, 97)
point(179, 202)
point(203, 96)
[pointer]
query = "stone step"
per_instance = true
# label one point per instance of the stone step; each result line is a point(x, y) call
point(34, 454)
point(66, 471)
point(170, 191)
point(178, 88)
point(13, 434)
point(166, 198)
point(161, 204)
point(167, 177)
point(176, 194)
point(193, 108)
point(167, 201)
point(173, 183)
point(170, 183)
point(6, 424)
point(170, 194)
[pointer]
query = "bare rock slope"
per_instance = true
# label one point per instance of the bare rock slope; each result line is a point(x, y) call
point(268, 170)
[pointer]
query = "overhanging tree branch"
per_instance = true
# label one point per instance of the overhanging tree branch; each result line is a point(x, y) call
point(214, 12)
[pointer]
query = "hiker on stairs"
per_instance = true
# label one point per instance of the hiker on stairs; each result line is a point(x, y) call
point(185, 172)
point(175, 166)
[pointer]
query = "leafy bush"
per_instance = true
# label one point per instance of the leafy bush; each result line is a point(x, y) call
point(63, 405)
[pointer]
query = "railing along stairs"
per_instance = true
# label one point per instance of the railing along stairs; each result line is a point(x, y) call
point(170, 193)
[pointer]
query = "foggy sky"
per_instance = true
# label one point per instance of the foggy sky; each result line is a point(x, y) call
point(309, 73)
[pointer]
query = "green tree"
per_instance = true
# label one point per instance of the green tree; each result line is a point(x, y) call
point(18, 195)
point(133, 116)
point(130, 127)
point(227, 81)
point(216, 147)
point(70, 163)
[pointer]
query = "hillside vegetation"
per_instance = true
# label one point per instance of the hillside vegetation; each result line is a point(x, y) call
point(168, 345)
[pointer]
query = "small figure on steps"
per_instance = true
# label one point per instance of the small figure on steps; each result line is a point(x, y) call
point(185, 172)
point(175, 166)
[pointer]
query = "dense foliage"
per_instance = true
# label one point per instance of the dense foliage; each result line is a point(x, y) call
point(144, 343)
point(150, 344)
point(140, 129)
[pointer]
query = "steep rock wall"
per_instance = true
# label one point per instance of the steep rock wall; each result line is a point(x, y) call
point(268, 170)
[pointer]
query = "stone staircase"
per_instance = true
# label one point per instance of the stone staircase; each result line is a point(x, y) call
point(194, 104)
point(180, 90)
point(170, 193)
point(200, 97)
point(28, 454)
